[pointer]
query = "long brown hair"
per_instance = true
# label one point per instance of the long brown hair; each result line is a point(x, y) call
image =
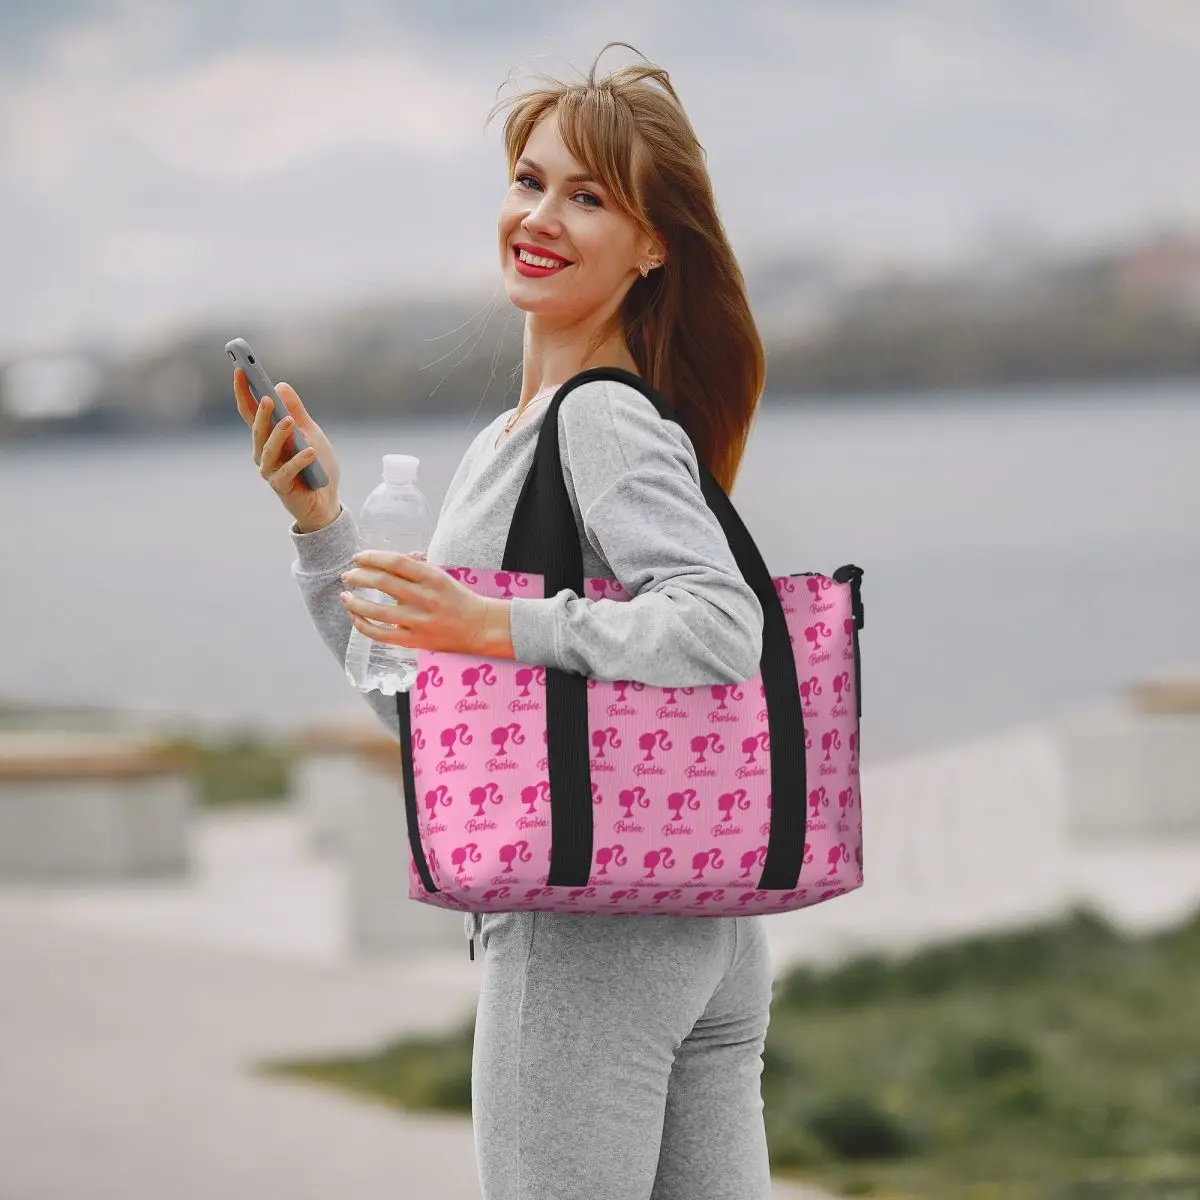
point(688, 324)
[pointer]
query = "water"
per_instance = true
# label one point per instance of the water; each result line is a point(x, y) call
point(396, 518)
point(1021, 552)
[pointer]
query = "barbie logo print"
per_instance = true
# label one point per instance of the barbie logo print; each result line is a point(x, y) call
point(531, 788)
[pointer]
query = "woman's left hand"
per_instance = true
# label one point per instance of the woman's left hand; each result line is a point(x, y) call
point(433, 611)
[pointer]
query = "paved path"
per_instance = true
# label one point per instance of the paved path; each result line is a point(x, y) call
point(131, 1016)
point(126, 1057)
point(126, 1073)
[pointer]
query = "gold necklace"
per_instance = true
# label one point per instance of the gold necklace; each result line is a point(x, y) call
point(532, 400)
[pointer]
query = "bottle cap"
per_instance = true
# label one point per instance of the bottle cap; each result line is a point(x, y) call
point(400, 468)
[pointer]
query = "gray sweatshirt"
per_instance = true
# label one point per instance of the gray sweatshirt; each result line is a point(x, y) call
point(634, 485)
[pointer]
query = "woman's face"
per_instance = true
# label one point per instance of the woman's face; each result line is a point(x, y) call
point(574, 218)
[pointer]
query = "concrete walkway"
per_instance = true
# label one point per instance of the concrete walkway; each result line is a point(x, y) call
point(127, 1073)
point(131, 1017)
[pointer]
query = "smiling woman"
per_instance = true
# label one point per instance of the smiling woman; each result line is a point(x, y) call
point(607, 181)
point(616, 1058)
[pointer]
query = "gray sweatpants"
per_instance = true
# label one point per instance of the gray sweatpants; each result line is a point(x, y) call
point(620, 1058)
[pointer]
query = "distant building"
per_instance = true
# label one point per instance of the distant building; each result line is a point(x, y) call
point(1166, 270)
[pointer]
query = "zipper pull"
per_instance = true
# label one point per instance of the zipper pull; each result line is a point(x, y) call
point(471, 948)
point(853, 576)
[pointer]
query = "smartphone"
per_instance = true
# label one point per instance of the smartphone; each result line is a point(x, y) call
point(260, 385)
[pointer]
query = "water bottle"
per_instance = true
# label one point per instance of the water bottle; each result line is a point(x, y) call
point(395, 517)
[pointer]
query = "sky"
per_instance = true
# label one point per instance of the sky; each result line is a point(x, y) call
point(163, 163)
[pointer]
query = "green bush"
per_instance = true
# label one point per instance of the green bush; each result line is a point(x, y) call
point(1046, 1062)
point(1074, 948)
point(855, 1127)
point(427, 1073)
point(236, 770)
point(791, 1142)
point(983, 1057)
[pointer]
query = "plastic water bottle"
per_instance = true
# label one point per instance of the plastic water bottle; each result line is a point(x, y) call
point(395, 517)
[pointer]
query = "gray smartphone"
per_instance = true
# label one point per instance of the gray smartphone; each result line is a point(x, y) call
point(260, 385)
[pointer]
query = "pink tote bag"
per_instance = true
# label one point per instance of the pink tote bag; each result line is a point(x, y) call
point(531, 788)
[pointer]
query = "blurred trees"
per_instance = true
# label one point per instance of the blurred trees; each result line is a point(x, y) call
point(1128, 313)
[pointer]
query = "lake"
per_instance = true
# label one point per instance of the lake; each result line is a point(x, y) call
point(1022, 550)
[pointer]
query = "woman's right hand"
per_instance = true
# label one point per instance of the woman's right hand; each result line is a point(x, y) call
point(311, 509)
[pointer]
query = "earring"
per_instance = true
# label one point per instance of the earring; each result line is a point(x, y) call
point(645, 267)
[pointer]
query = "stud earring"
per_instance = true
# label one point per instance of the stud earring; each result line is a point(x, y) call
point(645, 267)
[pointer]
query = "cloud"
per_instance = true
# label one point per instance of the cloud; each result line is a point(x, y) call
point(148, 257)
point(256, 113)
point(344, 141)
point(915, 124)
point(247, 113)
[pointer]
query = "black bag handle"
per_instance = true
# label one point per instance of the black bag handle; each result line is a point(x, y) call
point(543, 540)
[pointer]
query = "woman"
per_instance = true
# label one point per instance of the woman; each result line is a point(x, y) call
point(614, 1059)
